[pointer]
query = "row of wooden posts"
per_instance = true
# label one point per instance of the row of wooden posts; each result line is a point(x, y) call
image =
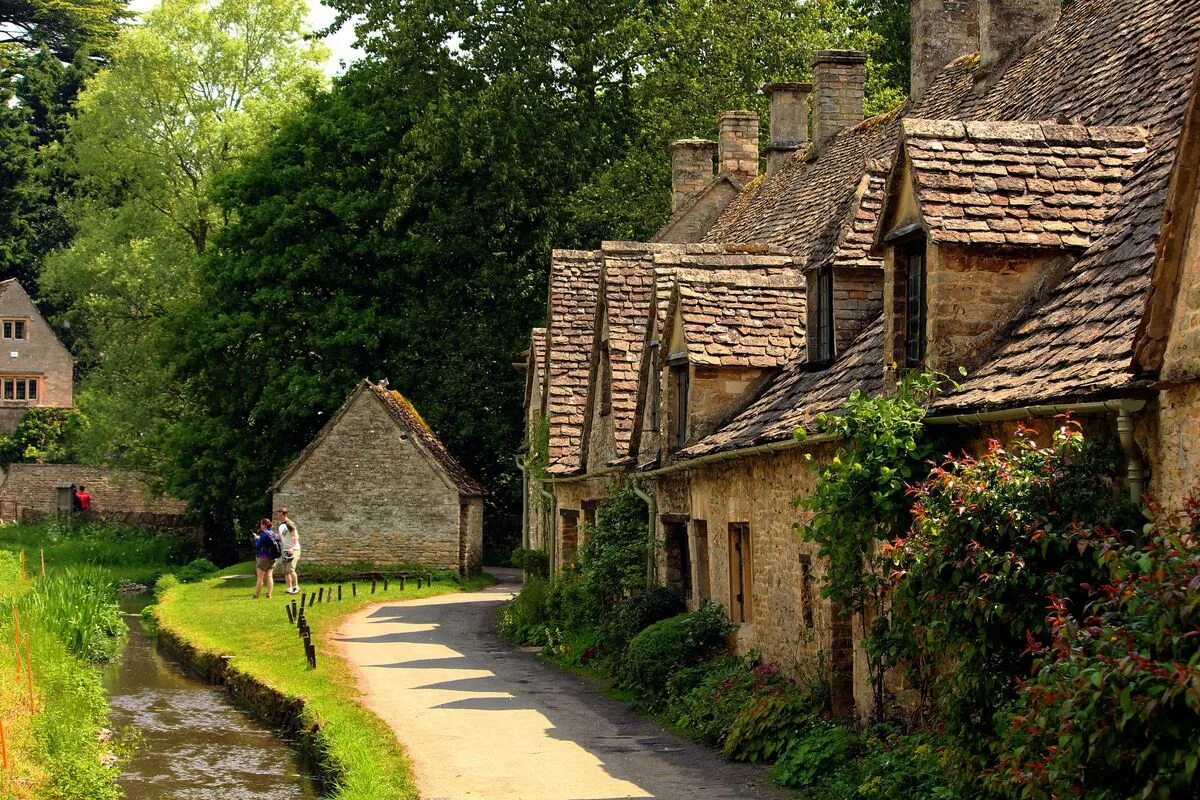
point(296, 615)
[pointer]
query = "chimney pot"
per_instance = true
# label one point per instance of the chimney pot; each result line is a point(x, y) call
point(1005, 26)
point(840, 80)
point(691, 168)
point(941, 31)
point(737, 151)
point(789, 121)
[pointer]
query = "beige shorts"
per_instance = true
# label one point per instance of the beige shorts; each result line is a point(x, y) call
point(288, 567)
point(265, 564)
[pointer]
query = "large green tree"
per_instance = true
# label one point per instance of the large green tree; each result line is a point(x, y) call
point(63, 26)
point(188, 95)
point(401, 225)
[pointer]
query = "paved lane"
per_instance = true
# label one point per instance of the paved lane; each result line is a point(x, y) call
point(483, 720)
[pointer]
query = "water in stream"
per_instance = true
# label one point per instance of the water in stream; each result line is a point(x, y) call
point(194, 744)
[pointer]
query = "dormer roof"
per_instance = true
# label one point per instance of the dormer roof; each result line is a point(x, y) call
point(1011, 184)
point(742, 323)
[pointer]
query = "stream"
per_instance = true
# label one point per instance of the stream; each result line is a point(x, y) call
point(192, 742)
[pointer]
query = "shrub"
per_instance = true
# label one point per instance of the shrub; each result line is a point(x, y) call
point(613, 558)
point(1113, 706)
point(767, 727)
point(163, 585)
point(535, 563)
point(704, 700)
point(659, 650)
point(819, 753)
point(523, 619)
point(196, 570)
point(634, 614)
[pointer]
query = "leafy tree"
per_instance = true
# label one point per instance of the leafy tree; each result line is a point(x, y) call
point(188, 95)
point(64, 27)
point(43, 434)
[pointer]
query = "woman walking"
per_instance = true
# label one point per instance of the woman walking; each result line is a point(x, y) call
point(266, 549)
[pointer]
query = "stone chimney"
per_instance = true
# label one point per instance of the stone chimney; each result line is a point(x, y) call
point(737, 151)
point(941, 31)
point(840, 80)
point(691, 168)
point(1006, 25)
point(789, 121)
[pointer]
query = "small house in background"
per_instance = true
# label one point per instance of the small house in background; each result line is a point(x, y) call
point(35, 369)
point(377, 486)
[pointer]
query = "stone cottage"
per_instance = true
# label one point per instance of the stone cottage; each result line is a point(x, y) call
point(376, 486)
point(36, 371)
point(1030, 215)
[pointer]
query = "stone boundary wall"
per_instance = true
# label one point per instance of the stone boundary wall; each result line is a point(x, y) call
point(283, 712)
point(32, 486)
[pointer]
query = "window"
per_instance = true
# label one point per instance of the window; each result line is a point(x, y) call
point(822, 324)
point(702, 586)
point(912, 256)
point(605, 381)
point(570, 536)
point(741, 573)
point(14, 329)
point(806, 589)
point(21, 389)
point(655, 388)
point(679, 380)
point(679, 562)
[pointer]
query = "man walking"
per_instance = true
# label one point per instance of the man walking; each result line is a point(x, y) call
point(290, 538)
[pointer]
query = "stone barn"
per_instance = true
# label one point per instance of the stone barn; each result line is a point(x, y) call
point(377, 486)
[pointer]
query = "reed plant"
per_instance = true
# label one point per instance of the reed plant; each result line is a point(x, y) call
point(80, 605)
point(123, 552)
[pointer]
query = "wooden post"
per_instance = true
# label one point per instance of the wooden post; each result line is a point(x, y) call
point(372, 586)
point(42, 552)
point(3, 750)
point(402, 583)
point(29, 673)
point(321, 594)
point(354, 590)
point(339, 593)
point(291, 619)
point(17, 637)
point(22, 567)
point(385, 583)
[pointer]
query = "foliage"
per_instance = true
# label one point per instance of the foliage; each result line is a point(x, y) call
point(43, 434)
point(824, 748)
point(196, 570)
point(666, 646)
point(535, 563)
point(523, 620)
point(992, 540)
point(164, 585)
point(631, 615)
point(767, 727)
point(1113, 704)
point(861, 498)
point(64, 27)
point(80, 606)
point(121, 551)
point(188, 95)
point(613, 558)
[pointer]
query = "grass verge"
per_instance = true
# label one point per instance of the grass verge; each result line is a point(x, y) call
point(124, 553)
point(360, 754)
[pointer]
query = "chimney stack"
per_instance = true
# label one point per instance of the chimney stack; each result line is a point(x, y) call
point(840, 79)
point(789, 121)
point(691, 168)
point(737, 151)
point(1006, 25)
point(941, 31)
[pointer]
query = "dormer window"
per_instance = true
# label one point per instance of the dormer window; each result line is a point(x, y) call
point(14, 329)
point(655, 386)
point(680, 385)
point(912, 256)
point(821, 341)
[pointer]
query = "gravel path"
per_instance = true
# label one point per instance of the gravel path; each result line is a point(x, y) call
point(481, 719)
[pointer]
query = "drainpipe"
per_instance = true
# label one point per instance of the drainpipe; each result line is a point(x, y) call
point(551, 526)
point(1135, 469)
point(524, 500)
point(652, 505)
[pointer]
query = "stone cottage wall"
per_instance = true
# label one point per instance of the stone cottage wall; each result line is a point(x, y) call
point(366, 494)
point(473, 530)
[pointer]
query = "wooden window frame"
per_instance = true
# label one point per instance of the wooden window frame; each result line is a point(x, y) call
point(8, 329)
point(13, 385)
point(912, 254)
point(824, 348)
point(605, 375)
point(741, 573)
point(681, 384)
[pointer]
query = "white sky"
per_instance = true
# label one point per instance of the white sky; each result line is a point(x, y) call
point(341, 44)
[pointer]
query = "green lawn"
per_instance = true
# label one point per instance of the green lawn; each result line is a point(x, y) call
point(219, 616)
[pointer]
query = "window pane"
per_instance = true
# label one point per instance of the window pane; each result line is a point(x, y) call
point(914, 329)
point(8, 388)
point(33, 389)
point(19, 329)
point(20, 388)
point(7, 329)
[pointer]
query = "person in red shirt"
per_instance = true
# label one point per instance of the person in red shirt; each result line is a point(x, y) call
point(85, 499)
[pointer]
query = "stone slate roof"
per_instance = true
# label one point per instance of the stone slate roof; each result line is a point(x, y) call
point(574, 286)
point(1017, 184)
point(404, 414)
point(1107, 64)
point(794, 399)
point(740, 323)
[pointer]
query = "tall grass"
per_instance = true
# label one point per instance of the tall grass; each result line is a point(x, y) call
point(123, 552)
point(71, 620)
